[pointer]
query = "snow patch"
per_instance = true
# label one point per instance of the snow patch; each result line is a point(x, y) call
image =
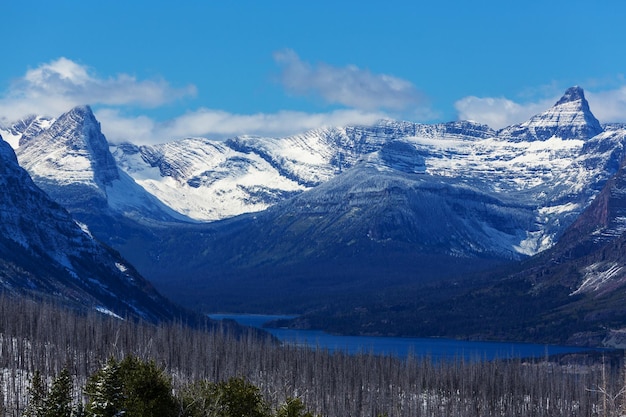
point(108, 312)
point(534, 243)
point(559, 209)
point(11, 139)
point(597, 276)
point(84, 228)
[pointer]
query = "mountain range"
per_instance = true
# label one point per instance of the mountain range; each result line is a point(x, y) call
point(363, 229)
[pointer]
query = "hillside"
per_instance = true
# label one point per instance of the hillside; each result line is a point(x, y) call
point(46, 254)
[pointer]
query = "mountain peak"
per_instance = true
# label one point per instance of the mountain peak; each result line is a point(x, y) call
point(573, 94)
point(81, 108)
point(569, 118)
point(82, 152)
point(83, 116)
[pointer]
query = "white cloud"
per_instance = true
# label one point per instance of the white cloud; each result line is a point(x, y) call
point(57, 86)
point(499, 112)
point(608, 106)
point(349, 86)
point(219, 124)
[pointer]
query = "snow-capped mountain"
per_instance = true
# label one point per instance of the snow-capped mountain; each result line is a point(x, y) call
point(570, 118)
point(205, 180)
point(69, 158)
point(600, 227)
point(409, 201)
point(29, 126)
point(344, 210)
point(46, 254)
point(213, 180)
point(554, 164)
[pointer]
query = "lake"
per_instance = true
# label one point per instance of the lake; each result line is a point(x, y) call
point(435, 348)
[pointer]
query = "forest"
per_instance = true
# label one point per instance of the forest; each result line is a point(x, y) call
point(59, 362)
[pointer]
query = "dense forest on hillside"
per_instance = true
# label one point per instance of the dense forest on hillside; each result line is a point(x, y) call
point(43, 341)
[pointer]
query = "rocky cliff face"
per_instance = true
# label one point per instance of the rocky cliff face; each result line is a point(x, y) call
point(70, 160)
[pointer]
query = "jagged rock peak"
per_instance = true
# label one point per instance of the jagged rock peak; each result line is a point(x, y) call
point(82, 151)
point(573, 94)
point(83, 116)
point(569, 118)
point(573, 108)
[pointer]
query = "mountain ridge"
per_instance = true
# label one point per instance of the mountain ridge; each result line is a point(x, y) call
point(334, 216)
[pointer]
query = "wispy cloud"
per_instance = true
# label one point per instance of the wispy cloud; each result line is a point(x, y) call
point(219, 124)
point(55, 87)
point(349, 86)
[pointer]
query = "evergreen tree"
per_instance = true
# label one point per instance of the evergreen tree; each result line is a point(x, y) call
point(36, 397)
point(147, 389)
point(233, 398)
point(240, 398)
point(105, 392)
point(59, 400)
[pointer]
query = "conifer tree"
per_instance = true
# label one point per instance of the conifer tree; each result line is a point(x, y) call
point(79, 411)
point(147, 389)
point(240, 398)
point(233, 398)
point(105, 392)
point(36, 397)
point(59, 400)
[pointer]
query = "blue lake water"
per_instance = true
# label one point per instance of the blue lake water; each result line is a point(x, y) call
point(434, 348)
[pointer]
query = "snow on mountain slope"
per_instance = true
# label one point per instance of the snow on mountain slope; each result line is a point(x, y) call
point(28, 126)
point(212, 180)
point(557, 177)
point(544, 160)
point(70, 159)
point(63, 152)
point(205, 180)
point(555, 164)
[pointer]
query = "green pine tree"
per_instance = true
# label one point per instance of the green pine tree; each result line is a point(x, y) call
point(105, 392)
point(240, 398)
point(37, 393)
point(199, 399)
point(233, 398)
point(147, 389)
point(59, 400)
point(79, 411)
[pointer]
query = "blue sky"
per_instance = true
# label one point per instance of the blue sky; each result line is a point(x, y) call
point(154, 71)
